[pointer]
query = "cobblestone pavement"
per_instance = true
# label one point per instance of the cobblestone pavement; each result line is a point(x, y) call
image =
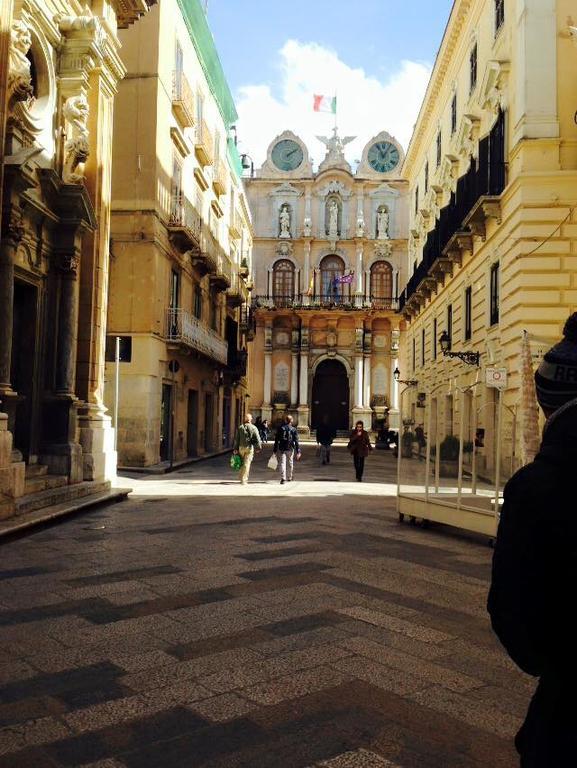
point(202, 623)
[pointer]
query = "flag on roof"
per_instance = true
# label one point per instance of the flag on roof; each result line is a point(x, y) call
point(325, 104)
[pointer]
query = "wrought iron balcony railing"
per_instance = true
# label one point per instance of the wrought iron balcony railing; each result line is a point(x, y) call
point(183, 328)
point(326, 301)
point(204, 146)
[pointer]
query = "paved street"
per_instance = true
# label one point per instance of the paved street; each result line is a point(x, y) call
point(204, 624)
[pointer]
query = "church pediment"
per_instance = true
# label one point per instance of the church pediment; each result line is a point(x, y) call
point(286, 189)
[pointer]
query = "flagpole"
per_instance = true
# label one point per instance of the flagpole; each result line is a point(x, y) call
point(336, 107)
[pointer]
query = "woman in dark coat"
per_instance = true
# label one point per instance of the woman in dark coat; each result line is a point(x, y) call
point(360, 447)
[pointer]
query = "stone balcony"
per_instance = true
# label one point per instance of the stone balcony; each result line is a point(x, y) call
point(184, 331)
point(204, 144)
point(182, 100)
point(184, 224)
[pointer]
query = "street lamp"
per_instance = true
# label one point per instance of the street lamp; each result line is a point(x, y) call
point(406, 382)
point(247, 163)
point(471, 358)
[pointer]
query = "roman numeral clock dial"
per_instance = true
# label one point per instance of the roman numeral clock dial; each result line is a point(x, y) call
point(383, 157)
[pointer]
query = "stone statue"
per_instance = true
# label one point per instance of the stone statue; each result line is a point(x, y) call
point(76, 149)
point(335, 156)
point(285, 222)
point(360, 225)
point(382, 224)
point(333, 218)
point(19, 77)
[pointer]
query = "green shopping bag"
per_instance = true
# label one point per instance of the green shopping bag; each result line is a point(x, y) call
point(236, 462)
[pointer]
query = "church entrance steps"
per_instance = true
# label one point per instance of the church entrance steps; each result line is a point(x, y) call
point(49, 496)
point(47, 506)
point(43, 482)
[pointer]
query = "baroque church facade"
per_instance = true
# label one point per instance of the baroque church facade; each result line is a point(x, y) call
point(329, 257)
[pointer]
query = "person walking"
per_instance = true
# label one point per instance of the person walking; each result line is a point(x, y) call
point(325, 437)
point(360, 447)
point(285, 445)
point(247, 438)
point(534, 577)
point(264, 430)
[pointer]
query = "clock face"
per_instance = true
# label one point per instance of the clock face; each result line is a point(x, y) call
point(383, 156)
point(287, 155)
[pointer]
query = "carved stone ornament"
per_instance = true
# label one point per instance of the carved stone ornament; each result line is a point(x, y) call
point(307, 226)
point(77, 148)
point(284, 249)
point(335, 146)
point(491, 94)
point(383, 249)
point(68, 262)
point(13, 227)
point(360, 225)
point(19, 76)
point(332, 338)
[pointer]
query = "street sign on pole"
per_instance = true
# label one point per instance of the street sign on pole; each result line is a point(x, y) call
point(496, 378)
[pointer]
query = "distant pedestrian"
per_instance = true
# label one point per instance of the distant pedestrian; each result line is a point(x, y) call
point(360, 447)
point(534, 578)
point(246, 440)
point(264, 430)
point(421, 440)
point(286, 446)
point(326, 434)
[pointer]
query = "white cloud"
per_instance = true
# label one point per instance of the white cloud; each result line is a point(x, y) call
point(365, 105)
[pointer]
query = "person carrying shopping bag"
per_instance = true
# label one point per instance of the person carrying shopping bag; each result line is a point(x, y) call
point(246, 440)
point(360, 447)
point(286, 444)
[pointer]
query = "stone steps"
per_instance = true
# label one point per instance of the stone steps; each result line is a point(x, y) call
point(43, 482)
point(47, 514)
point(36, 470)
point(55, 495)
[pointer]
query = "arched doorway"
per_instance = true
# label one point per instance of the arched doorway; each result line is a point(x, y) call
point(330, 395)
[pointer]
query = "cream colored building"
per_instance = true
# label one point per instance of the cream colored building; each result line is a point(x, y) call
point(329, 256)
point(60, 67)
point(181, 246)
point(492, 172)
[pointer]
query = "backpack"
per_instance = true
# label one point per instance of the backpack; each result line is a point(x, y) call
point(287, 438)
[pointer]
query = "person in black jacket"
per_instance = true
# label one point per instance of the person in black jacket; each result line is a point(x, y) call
point(534, 578)
point(326, 434)
point(286, 444)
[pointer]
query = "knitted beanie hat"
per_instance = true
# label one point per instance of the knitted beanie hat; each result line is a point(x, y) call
point(556, 377)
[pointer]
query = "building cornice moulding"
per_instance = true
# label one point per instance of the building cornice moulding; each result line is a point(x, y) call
point(445, 56)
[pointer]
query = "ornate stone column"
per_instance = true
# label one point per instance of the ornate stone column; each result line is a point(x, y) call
point(307, 273)
point(13, 231)
point(266, 408)
point(367, 381)
point(359, 273)
point(303, 409)
point(394, 420)
point(90, 68)
point(294, 394)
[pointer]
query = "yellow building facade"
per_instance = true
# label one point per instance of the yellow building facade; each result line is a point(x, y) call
point(180, 249)
point(60, 67)
point(329, 256)
point(492, 174)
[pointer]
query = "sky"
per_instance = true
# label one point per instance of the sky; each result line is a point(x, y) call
point(375, 55)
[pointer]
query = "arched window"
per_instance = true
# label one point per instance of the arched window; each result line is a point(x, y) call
point(283, 282)
point(332, 268)
point(382, 284)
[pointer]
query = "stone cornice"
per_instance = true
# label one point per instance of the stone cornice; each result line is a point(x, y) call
point(451, 38)
point(129, 11)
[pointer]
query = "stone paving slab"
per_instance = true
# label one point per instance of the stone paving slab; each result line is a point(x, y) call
point(207, 624)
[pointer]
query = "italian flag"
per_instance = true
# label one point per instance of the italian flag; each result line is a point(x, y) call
point(325, 104)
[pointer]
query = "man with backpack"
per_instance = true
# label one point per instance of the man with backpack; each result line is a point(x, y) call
point(285, 445)
point(246, 440)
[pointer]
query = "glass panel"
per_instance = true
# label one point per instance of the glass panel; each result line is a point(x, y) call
point(332, 267)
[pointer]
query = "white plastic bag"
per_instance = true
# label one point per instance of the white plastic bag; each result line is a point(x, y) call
point(273, 463)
